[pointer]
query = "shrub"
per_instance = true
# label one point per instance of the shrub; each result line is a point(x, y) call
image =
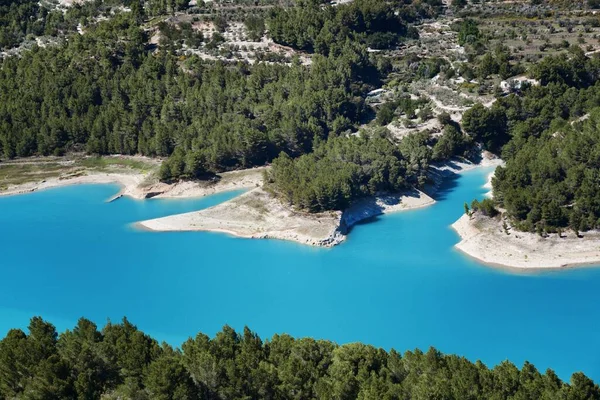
point(487, 207)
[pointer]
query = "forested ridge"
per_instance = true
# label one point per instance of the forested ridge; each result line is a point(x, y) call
point(110, 89)
point(104, 93)
point(120, 361)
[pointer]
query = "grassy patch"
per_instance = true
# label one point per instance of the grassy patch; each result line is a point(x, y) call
point(16, 174)
point(115, 162)
point(37, 170)
point(257, 204)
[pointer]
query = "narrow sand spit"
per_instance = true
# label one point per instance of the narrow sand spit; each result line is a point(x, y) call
point(257, 214)
point(486, 240)
point(254, 214)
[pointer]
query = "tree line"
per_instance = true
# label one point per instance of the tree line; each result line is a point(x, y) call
point(342, 170)
point(120, 361)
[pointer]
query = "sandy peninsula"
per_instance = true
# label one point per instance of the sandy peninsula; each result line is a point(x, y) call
point(257, 214)
point(486, 240)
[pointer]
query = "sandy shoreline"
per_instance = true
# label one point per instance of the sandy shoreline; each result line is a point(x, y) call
point(485, 240)
point(259, 215)
point(134, 184)
point(129, 183)
point(256, 214)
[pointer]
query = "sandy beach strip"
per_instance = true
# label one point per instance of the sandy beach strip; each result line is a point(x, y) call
point(129, 183)
point(136, 185)
point(486, 240)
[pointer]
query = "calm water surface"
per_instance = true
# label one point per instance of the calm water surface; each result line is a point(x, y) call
point(396, 282)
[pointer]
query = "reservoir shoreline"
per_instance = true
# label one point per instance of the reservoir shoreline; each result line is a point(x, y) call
point(258, 215)
point(409, 279)
point(140, 186)
point(485, 240)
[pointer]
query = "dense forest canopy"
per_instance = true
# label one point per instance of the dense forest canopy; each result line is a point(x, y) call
point(104, 93)
point(18, 18)
point(312, 26)
point(549, 181)
point(121, 361)
point(33, 19)
point(553, 181)
point(342, 170)
point(103, 88)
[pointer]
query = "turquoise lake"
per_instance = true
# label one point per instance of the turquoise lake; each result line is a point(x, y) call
point(396, 282)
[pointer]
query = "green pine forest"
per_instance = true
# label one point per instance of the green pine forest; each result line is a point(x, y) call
point(102, 92)
point(114, 91)
point(120, 361)
point(123, 77)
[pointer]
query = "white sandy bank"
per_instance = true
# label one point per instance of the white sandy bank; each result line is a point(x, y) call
point(257, 214)
point(486, 240)
point(135, 184)
point(129, 183)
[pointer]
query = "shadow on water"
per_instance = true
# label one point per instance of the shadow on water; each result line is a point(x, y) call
point(365, 221)
point(444, 176)
point(449, 183)
point(369, 209)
